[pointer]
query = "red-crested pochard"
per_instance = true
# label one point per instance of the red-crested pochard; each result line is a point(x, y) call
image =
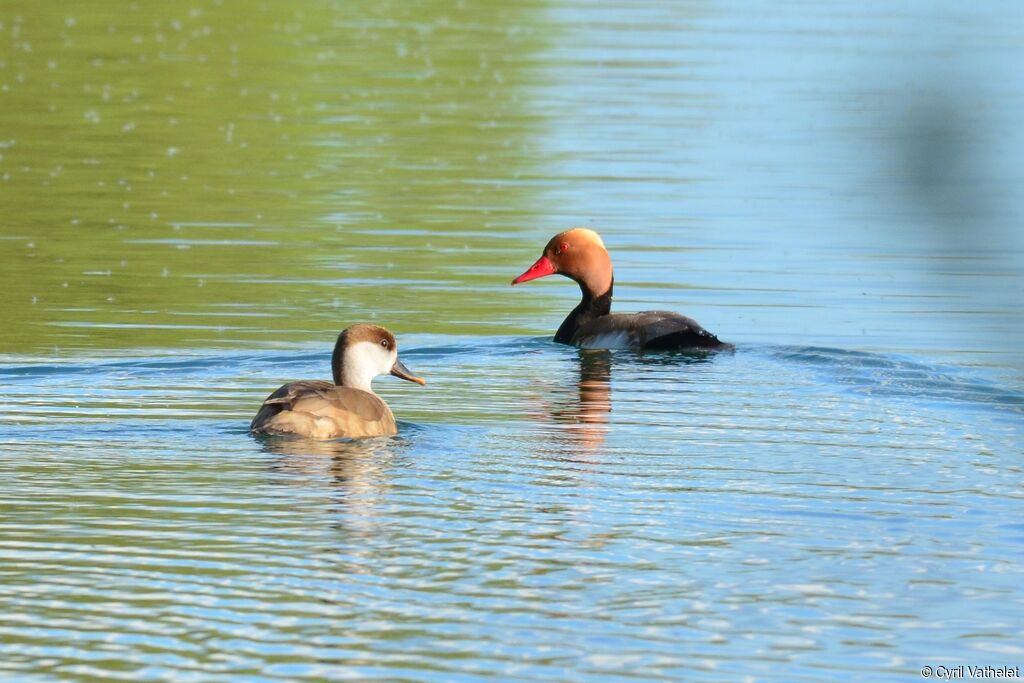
point(580, 255)
point(346, 408)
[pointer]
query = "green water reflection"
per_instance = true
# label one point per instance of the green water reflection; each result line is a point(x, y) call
point(224, 173)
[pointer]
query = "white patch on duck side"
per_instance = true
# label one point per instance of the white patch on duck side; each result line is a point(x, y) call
point(362, 362)
point(619, 339)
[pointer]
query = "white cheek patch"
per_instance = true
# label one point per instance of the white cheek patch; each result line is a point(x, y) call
point(364, 361)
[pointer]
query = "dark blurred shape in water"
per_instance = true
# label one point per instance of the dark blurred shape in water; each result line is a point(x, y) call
point(937, 150)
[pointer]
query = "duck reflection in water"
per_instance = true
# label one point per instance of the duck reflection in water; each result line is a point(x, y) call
point(587, 411)
point(355, 471)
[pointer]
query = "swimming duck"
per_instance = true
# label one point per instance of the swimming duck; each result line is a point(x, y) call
point(348, 407)
point(580, 255)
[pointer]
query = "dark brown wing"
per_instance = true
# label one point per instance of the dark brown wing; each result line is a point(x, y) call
point(283, 398)
point(322, 410)
point(647, 330)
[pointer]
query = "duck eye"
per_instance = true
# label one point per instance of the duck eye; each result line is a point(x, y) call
point(564, 246)
point(384, 343)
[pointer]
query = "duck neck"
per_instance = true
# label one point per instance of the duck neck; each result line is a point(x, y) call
point(348, 370)
point(592, 306)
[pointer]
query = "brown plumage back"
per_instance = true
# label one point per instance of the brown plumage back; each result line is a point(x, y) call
point(322, 410)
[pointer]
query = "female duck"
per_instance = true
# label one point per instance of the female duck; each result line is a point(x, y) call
point(346, 408)
point(580, 255)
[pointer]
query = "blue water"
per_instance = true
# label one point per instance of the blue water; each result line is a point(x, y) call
point(544, 513)
point(198, 201)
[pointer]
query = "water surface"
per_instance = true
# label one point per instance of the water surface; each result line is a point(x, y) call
point(198, 198)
